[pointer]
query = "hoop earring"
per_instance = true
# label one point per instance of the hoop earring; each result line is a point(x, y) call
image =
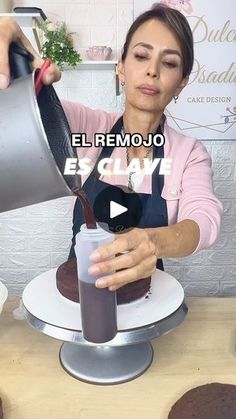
point(175, 98)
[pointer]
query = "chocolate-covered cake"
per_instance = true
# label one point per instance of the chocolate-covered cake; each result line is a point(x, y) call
point(67, 284)
point(210, 401)
point(1, 412)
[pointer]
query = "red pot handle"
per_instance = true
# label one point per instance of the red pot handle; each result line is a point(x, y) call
point(38, 79)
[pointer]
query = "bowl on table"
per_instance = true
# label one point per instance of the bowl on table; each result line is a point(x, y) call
point(3, 295)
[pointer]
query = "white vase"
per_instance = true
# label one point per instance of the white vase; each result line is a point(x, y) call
point(6, 6)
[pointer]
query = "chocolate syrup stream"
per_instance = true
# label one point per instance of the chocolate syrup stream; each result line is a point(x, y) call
point(87, 210)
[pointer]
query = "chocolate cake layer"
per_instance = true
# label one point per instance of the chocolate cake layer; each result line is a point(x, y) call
point(1, 412)
point(210, 401)
point(67, 284)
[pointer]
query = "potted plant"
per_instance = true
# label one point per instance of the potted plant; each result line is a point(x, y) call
point(58, 45)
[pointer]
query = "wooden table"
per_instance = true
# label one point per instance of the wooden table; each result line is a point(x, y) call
point(33, 385)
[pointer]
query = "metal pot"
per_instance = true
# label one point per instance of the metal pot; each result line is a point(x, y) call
point(34, 143)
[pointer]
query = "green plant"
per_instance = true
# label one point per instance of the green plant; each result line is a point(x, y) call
point(58, 45)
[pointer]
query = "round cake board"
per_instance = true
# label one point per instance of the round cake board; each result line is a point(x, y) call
point(43, 300)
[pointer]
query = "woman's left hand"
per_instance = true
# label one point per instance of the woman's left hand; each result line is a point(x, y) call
point(139, 261)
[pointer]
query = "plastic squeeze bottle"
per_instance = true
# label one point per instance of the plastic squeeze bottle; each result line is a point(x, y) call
point(98, 305)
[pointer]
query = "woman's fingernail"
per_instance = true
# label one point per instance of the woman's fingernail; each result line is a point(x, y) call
point(95, 256)
point(3, 81)
point(100, 283)
point(93, 270)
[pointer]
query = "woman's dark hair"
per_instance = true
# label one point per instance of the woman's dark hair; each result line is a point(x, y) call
point(178, 25)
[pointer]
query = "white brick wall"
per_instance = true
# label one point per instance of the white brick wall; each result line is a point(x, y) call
point(37, 238)
point(32, 240)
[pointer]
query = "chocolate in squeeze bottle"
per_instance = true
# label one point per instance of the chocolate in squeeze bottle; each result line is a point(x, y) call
point(98, 305)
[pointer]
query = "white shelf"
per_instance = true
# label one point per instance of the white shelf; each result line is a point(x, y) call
point(96, 65)
point(27, 22)
point(24, 19)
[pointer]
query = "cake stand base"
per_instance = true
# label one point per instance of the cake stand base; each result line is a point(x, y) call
point(106, 364)
point(129, 353)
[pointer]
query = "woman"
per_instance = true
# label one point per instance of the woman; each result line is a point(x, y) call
point(181, 214)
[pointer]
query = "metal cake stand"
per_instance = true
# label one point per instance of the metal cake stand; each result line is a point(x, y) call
point(126, 356)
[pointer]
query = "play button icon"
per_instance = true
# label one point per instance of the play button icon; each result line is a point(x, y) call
point(117, 209)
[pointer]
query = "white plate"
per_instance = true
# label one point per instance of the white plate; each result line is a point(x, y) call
point(42, 299)
point(3, 295)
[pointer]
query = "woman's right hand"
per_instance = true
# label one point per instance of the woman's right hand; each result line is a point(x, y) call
point(10, 31)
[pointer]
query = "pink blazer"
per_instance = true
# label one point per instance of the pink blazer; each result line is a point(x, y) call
point(188, 189)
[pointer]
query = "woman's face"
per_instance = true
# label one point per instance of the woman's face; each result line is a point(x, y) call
point(152, 70)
